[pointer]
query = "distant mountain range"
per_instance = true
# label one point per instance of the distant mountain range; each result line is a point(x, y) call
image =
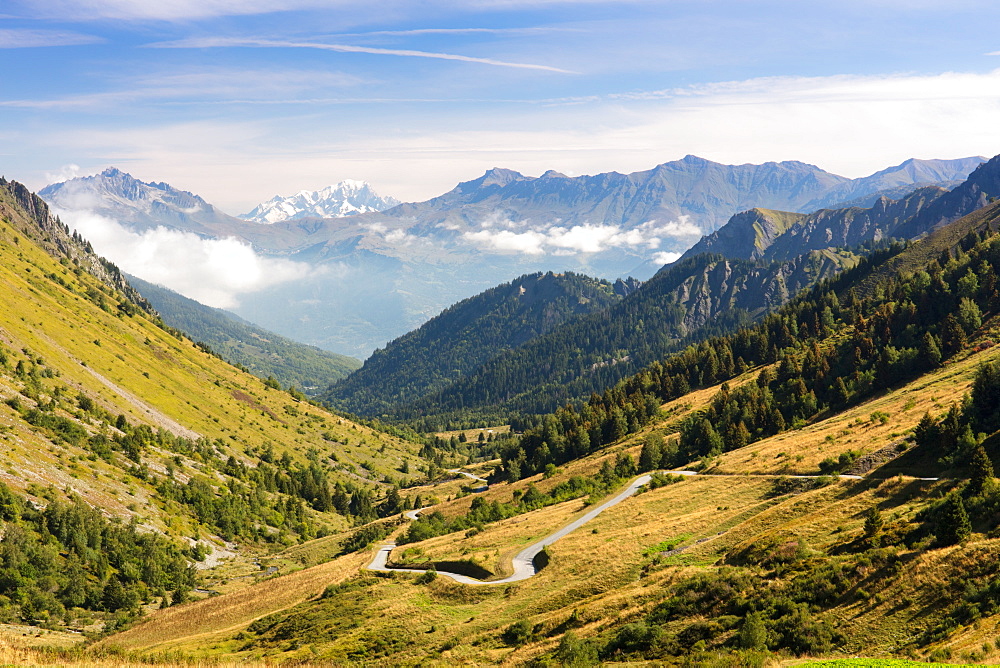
point(347, 198)
point(777, 235)
point(394, 269)
point(754, 264)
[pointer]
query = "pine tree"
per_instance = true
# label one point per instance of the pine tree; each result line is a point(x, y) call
point(954, 525)
point(984, 404)
point(982, 472)
point(952, 335)
point(873, 523)
point(930, 351)
point(841, 395)
point(651, 453)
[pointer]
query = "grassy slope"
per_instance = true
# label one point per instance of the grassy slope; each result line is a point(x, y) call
point(605, 571)
point(129, 365)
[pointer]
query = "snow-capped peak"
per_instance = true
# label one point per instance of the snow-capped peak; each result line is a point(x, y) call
point(347, 198)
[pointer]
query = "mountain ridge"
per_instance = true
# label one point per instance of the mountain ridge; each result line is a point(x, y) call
point(756, 263)
point(391, 271)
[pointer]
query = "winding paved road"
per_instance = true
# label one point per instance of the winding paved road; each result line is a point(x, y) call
point(467, 475)
point(524, 561)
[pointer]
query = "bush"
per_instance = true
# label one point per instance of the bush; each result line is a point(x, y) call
point(517, 634)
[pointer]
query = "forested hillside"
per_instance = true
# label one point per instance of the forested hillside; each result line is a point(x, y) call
point(685, 301)
point(833, 349)
point(470, 334)
point(776, 235)
point(767, 258)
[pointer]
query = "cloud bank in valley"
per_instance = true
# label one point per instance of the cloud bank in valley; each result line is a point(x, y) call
point(215, 272)
point(508, 236)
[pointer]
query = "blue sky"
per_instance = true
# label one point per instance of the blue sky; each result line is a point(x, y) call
point(239, 100)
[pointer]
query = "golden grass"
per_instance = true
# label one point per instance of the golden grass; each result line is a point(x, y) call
point(15, 655)
point(198, 623)
point(603, 571)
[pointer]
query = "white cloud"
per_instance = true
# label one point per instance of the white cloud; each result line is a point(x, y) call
point(586, 238)
point(852, 126)
point(213, 42)
point(183, 10)
point(201, 86)
point(65, 173)
point(215, 272)
point(666, 257)
point(537, 30)
point(400, 237)
point(529, 243)
point(164, 10)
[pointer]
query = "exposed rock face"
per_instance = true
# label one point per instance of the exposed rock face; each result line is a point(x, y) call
point(778, 235)
point(140, 205)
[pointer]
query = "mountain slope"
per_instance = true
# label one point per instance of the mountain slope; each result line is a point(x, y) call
point(901, 179)
point(773, 235)
point(776, 235)
point(685, 301)
point(769, 257)
point(117, 195)
point(706, 192)
point(118, 431)
point(347, 198)
point(468, 335)
point(263, 353)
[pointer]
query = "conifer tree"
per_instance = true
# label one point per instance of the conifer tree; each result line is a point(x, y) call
point(982, 472)
point(651, 453)
point(930, 351)
point(984, 403)
point(954, 525)
point(874, 524)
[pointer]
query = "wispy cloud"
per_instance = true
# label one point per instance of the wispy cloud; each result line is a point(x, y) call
point(26, 39)
point(164, 10)
point(224, 42)
point(537, 30)
point(183, 10)
point(65, 173)
point(205, 86)
point(848, 125)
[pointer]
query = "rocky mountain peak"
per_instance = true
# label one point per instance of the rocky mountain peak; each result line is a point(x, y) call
point(347, 198)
